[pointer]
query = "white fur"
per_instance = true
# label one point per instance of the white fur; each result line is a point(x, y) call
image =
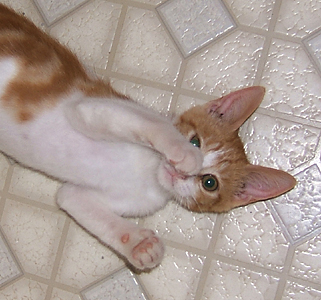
point(8, 69)
point(111, 154)
point(211, 157)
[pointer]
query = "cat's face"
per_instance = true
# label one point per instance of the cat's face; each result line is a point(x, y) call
point(227, 179)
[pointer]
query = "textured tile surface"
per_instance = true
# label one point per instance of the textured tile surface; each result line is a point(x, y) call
point(121, 286)
point(27, 8)
point(251, 235)
point(173, 224)
point(34, 186)
point(298, 18)
point(8, 266)
point(58, 294)
point(79, 32)
point(195, 23)
point(231, 282)
point(229, 64)
point(295, 291)
point(181, 270)
point(34, 235)
point(314, 45)
point(266, 251)
point(300, 209)
point(156, 99)
point(155, 55)
point(84, 259)
point(307, 260)
point(294, 86)
point(4, 166)
point(24, 289)
point(255, 13)
point(269, 142)
point(53, 10)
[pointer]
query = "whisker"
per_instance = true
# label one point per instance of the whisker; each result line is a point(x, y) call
point(195, 201)
point(185, 201)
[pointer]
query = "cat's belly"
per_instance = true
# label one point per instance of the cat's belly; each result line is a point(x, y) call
point(127, 173)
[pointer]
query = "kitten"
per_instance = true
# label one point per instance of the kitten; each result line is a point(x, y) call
point(114, 157)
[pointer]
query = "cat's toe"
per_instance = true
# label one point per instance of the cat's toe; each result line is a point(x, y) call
point(149, 252)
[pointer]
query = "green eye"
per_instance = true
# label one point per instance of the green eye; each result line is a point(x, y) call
point(209, 182)
point(195, 141)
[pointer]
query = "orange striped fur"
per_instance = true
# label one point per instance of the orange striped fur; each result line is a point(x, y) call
point(47, 70)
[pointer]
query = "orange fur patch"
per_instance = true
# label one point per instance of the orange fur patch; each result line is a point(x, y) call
point(47, 70)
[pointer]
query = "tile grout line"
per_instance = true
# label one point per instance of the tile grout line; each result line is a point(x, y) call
point(291, 118)
point(209, 257)
point(116, 39)
point(59, 254)
point(3, 200)
point(268, 41)
point(5, 190)
point(284, 275)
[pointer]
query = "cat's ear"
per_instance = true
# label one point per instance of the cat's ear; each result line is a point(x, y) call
point(263, 183)
point(234, 108)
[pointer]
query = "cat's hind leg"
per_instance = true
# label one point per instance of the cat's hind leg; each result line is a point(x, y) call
point(142, 248)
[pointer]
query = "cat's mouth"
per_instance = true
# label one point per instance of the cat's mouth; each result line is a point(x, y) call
point(181, 187)
point(174, 175)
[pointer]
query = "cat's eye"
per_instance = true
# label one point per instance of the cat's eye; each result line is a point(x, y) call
point(209, 182)
point(195, 141)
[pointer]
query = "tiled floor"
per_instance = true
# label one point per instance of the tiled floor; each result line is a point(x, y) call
point(171, 55)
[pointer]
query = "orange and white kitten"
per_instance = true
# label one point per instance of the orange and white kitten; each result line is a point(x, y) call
point(114, 157)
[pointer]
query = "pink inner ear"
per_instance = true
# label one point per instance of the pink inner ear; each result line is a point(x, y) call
point(236, 107)
point(263, 183)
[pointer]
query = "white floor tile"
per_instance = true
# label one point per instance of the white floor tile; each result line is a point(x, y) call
point(155, 57)
point(251, 235)
point(84, 259)
point(53, 10)
point(195, 24)
point(182, 272)
point(229, 64)
point(90, 32)
point(174, 224)
point(154, 98)
point(314, 45)
point(295, 291)
point(24, 289)
point(298, 18)
point(254, 13)
point(121, 286)
point(279, 143)
point(34, 235)
point(307, 260)
point(294, 85)
point(231, 282)
point(8, 266)
point(300, 209)
point(34, 186)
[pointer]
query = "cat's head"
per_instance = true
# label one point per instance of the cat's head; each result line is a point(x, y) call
point(227, 179)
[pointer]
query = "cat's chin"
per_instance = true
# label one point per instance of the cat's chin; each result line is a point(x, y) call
point(180, 186)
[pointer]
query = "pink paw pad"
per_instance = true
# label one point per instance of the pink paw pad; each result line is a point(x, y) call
point(125, 238)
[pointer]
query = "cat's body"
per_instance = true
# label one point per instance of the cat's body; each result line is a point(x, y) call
point(114, 157)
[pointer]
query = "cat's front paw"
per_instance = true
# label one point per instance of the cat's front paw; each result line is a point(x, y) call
point(185, 158)
point(145, 249)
